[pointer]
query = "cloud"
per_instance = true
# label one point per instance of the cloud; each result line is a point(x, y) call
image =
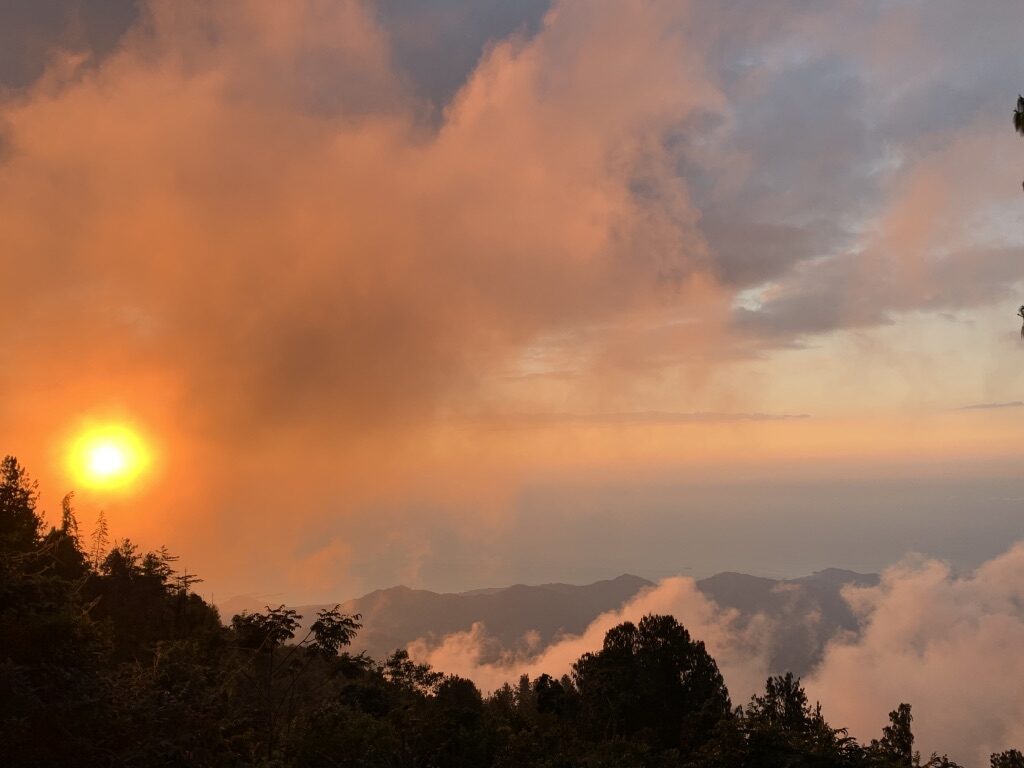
point(240, 229)
point(947, 644)
point(740, 647)
point(637, 418)
point(988, 406)
point(250, 196)
point(857, 173)
point(32, 31)
point(293, 254)
point(922, 255)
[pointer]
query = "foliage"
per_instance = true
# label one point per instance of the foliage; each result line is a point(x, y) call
point(111, 659)
point(1011, 758)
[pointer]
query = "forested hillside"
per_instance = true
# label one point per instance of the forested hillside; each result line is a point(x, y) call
point(108, 658)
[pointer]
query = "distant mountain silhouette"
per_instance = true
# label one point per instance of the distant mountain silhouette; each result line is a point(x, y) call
point(808, 611)
point(392, 618)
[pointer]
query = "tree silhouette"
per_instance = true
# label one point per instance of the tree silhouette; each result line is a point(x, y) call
point(115, 661)
point(781, 726)
point(1018, 116)
point(19, 524)
point(1011, 758)
point(100, 540)
point(897, 742)
point(652, 677)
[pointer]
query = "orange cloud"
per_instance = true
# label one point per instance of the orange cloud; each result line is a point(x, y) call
point(239, 229)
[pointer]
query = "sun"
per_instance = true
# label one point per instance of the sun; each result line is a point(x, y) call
point(111, 456)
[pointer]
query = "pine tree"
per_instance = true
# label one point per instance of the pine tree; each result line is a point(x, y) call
point(20, 525)
point(100, 541)
point(68, 521)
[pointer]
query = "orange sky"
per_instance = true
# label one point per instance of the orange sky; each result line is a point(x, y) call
point(320, 289)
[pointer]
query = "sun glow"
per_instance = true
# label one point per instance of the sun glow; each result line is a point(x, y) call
point(109, 457)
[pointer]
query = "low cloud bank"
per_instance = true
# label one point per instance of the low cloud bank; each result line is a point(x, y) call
point(741, 647)
point(950, 644)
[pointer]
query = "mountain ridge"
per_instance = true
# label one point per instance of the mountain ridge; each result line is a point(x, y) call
point(809, 610)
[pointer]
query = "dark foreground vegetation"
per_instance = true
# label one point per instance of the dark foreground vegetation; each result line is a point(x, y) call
point(108, 658)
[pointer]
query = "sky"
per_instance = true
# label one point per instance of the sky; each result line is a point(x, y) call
point(475, 292)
